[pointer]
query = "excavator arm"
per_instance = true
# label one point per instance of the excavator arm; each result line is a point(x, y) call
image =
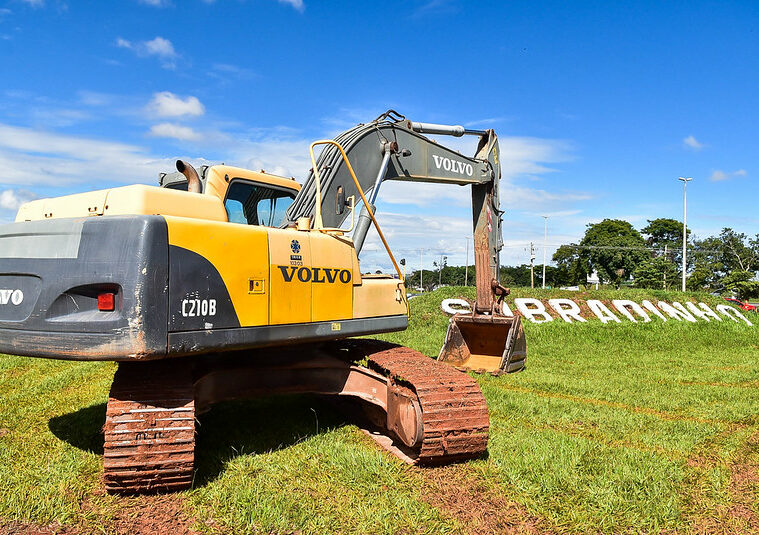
point(394, 148)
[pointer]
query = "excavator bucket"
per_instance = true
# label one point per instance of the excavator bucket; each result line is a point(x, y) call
point(484, 343)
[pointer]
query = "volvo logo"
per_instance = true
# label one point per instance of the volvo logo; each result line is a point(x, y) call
point(307, 274)
point(453, 165)
point(14, 296)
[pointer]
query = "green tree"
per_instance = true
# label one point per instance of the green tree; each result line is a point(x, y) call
point(518, 275)
point(613, 248)
point(741, 284)
point(429, 279)
point(664, 231)
point(736, 254)
point(715, 258)
point(701, 279)
point(572, 269)
point(657, 273)
point(705, 265)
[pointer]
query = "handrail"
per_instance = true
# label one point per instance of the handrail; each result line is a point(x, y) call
point(319, 222)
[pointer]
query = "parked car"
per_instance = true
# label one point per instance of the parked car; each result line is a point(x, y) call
point(742, 305)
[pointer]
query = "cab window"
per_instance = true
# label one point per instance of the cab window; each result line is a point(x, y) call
point(256, 204)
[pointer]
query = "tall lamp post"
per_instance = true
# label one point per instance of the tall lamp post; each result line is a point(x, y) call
point(545, 244)
point(685, 181)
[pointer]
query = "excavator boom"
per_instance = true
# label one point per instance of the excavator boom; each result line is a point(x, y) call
point(394, 148)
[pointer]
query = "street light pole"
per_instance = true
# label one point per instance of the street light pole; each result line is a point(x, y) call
point(545, 244)
point(685, 181)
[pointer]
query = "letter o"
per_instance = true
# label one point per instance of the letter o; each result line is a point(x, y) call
point(304, 274)
point(448, 306)
point(446, 164)
point(469, 169)
point(345, 276)
point(17, 296)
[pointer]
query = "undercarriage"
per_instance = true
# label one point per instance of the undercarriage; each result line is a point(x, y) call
point(422, 411)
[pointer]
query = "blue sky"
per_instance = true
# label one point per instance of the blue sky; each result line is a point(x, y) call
point(599, 106)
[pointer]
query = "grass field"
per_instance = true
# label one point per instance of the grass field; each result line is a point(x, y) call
point(613, 429)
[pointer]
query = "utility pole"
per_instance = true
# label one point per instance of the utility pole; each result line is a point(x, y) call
point(466, 268)
point(665, 269)
point(685, 181)
point(545, 245)
point(532, 265)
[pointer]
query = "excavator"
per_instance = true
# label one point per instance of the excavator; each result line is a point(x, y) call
point(225, 283)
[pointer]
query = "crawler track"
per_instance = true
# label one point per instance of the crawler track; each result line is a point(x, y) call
point(150, 419)
point(454, 411)
point(149, 429)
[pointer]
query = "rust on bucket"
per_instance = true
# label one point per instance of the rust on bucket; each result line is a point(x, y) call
point(485, 343)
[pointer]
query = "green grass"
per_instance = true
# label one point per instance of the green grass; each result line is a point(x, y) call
point(610, 428)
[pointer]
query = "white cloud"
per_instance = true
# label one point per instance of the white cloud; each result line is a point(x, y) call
point(35, 158)
point(95, 99)
point(157, 47)
point(11, 199)
point(167, 104)
point(434, 7)
point(281, 157)
point(520, 157)
point(297, 4)
point(156, 3)
point(160, 47)
point(51, 117)
point(175, 131)
point(35, 3)
point(692, 143)
point(719, 175)
point(226, 70)
point(484, 122)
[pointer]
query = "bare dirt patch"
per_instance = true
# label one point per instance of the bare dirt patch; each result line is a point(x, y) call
point(21, 528)
point(164, 514)
point(457, 492)
point(143, 515)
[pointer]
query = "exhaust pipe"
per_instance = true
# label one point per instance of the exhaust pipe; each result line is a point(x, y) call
point(193, 179)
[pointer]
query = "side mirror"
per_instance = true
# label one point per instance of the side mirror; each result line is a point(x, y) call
point(340, 201)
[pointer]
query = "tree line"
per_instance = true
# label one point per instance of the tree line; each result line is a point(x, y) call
point(621, 255)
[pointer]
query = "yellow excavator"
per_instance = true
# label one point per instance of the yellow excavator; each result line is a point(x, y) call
point(225, 283)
